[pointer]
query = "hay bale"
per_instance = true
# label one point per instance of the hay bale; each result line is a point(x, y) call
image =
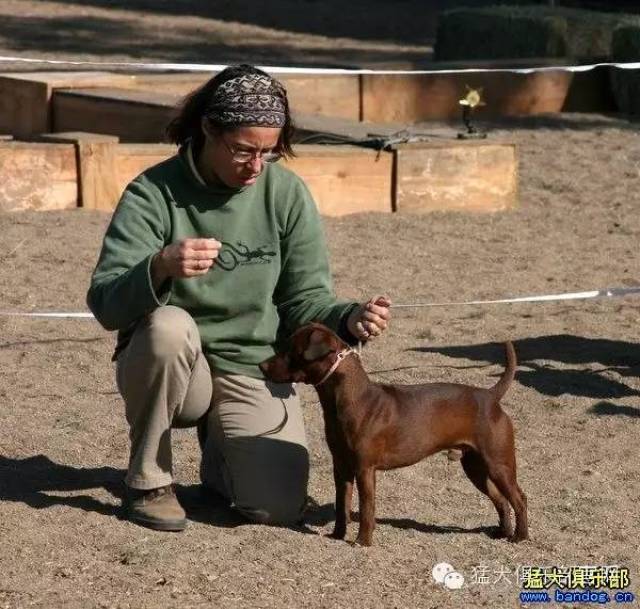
point(626, 83)
point(499, 32)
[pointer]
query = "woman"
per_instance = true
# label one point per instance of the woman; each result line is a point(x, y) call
point(211, 258)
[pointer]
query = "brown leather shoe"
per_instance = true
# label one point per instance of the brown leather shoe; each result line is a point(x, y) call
point(156, 509)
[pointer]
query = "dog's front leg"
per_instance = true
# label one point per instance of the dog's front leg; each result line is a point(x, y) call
point(343, 479)
point(366, 479)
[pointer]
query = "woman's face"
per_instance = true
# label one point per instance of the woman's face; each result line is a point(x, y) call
point(235, 157)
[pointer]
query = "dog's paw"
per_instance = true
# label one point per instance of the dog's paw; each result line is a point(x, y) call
point(362, 542)
point(336, 535)
point(518, 537)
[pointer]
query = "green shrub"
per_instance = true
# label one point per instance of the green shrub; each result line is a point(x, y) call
point(625, 45)
point(626, 83)
point(476, 34)
point(531, 31)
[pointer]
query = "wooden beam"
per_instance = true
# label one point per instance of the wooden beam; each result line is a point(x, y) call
point(443, 175)
point(345, 179)
point(106, 168)
point(25, 98)
point(415, 98)
point(342, 179)
point(325, 95)
point(456, 175)
point(133, 116)
point(37, 176)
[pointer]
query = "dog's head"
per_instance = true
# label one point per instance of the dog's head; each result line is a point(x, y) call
point(308, 358)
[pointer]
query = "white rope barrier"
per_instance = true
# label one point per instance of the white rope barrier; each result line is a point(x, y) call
point(605, 293)
point(203, 67)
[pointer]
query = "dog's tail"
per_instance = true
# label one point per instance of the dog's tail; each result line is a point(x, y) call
point(500, 388)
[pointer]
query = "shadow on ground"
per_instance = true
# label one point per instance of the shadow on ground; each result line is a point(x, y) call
point(33, 480)
point(80, 37)
point(402, 21)
point(38, 481)
point(582, 370)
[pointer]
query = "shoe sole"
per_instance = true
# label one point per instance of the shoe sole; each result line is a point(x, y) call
point(159, 525)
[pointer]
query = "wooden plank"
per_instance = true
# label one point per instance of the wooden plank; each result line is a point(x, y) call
point(326, 95)
point(178, 84)
point(25, 98)
point(133, 116)
point(415, 98)
point(462, 176)
point(342, 179)
point(345, 179)
point(76, 136)
point(37, 176)
point(106, 169)
point(323, 94)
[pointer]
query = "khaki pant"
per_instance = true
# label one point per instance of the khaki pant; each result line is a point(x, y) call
point(255, 452)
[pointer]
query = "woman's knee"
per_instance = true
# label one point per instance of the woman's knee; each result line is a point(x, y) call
point(168, 331)
point(267, 478)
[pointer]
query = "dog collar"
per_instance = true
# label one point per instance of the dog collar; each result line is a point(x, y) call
point(339, 357)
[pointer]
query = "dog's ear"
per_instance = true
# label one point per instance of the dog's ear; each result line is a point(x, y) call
point(316, 348)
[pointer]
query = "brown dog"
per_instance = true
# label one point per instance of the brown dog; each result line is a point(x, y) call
point(371, 426)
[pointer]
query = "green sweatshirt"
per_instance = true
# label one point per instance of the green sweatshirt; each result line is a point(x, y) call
point(272, 274)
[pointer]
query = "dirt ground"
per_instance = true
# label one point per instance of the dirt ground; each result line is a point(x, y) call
point(575, 402)
point(278, 32)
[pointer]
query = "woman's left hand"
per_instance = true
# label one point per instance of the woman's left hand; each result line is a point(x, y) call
point(370, 319)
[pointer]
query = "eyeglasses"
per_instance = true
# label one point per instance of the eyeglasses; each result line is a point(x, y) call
point(245, 156)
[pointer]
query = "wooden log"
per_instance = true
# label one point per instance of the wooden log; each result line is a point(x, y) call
point(37, 176)
point(456, 175)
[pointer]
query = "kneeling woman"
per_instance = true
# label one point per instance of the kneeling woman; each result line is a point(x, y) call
point(211, 258)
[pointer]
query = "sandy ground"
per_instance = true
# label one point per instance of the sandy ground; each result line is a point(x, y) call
point(575, 402)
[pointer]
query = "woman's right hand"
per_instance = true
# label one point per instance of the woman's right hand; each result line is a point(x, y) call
point(185, 258)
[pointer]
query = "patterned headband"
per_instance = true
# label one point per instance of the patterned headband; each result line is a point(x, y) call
point(251, 100)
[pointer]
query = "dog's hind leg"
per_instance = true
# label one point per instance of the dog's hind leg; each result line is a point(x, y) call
point(504, 477)
point(476, 469)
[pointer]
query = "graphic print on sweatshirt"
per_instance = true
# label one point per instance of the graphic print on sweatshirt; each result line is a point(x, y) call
point(233, 255)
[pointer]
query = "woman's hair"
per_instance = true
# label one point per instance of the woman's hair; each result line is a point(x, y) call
point(204, 103)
